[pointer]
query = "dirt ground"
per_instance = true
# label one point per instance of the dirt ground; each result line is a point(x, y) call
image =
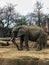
point(9, 55)
point(12, 52)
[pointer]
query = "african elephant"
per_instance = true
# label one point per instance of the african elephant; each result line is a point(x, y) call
point(33, 33)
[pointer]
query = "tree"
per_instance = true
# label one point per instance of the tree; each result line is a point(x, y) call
point(38, 12)
point(9, 14)
point(1, 17)
point(30, 18)
point(1, 23)
point(21, 21)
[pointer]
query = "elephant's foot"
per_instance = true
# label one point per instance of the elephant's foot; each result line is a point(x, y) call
point(21, 49)
point(27, 49)
point(38, 49)
point(18, 49)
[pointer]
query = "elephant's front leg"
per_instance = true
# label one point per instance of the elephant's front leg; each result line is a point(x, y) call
point(21, 42)
point(26, 42)
point(13, 40)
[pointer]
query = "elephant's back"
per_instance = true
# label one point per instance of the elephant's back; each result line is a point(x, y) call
point(35, 28)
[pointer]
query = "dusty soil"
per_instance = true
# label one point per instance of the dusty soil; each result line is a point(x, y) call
point(9, 55)
point(12, 52)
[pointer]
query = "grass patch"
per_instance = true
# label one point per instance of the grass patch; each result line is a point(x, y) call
point(46, 58)
point(28, 58)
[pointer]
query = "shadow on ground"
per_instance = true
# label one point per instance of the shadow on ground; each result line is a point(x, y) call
point(23, 61)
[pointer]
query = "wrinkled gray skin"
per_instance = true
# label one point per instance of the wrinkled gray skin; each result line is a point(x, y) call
point(32, 33)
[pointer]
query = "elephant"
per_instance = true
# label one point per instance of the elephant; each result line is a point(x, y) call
point(32, 33)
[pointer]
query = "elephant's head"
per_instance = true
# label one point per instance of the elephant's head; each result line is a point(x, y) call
point(19, 30)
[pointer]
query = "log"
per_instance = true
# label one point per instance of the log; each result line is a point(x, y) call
point(3, 43)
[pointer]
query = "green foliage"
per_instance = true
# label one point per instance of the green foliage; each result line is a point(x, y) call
point(26, 57)
point(38, 12)
point(21, 21)
point(1, 24)
point(8, 15)
point(46, 58)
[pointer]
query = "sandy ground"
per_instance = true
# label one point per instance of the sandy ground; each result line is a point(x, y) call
point(12, 52)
